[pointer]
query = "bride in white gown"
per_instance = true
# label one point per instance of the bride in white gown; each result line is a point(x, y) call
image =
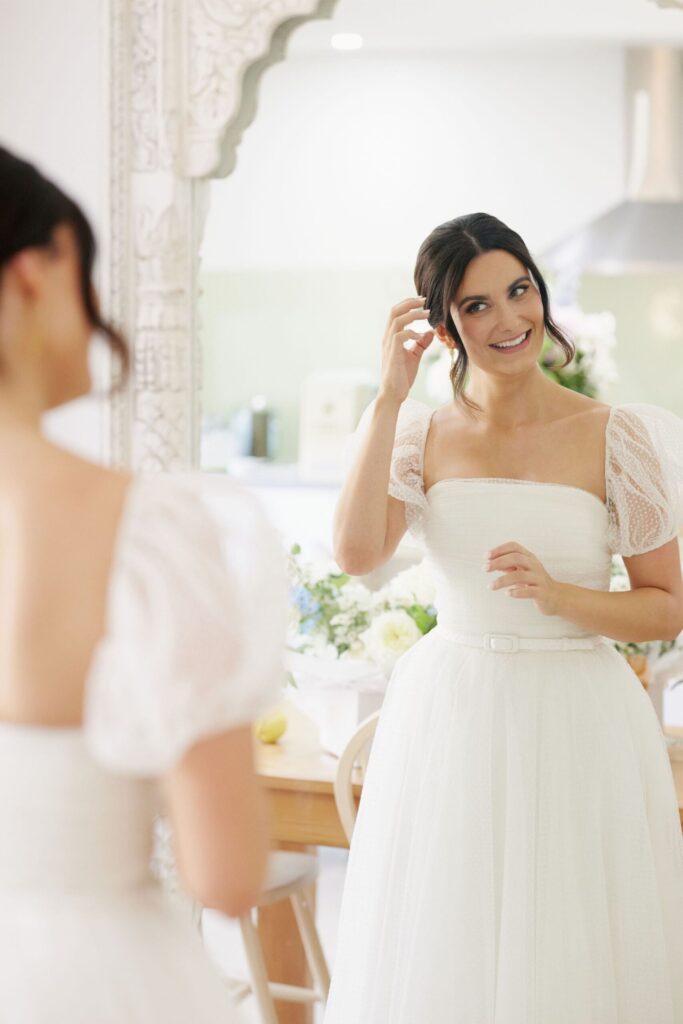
point(137, 644)
point(517, 857)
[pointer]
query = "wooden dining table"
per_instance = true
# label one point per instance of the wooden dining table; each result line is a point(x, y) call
point(298, 776)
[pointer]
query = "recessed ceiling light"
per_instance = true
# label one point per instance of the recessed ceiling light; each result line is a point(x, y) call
point(347, 41)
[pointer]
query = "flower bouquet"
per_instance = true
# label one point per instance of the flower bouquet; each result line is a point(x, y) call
point(344, 640)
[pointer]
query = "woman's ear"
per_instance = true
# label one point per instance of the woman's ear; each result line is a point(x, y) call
point(443, 336)
point(26, 269)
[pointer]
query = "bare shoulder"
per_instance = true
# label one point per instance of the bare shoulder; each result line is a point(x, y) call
point(51, 483)
point(60, 515)
point(586, 417)
point(85, 477)
point(450, 416)
point(574, 403)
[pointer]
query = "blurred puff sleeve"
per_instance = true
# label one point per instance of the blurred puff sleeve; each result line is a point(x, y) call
point(196, 623)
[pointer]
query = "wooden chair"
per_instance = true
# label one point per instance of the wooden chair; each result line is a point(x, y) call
point(289, 876)
point(355, 750)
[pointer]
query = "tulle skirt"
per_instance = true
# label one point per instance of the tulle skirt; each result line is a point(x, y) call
point(517, 857)
point(77, 959)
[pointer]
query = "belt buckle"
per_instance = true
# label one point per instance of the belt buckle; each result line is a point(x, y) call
point(491, 642)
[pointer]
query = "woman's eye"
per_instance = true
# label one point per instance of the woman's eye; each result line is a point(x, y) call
point(474, 308)
point(520, 289)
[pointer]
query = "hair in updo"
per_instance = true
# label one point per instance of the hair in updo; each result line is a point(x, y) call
point(31, 207)
point(441, 265)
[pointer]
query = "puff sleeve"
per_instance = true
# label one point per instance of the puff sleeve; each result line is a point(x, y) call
point(196, 623)
point(406, 481)
point(644, 477)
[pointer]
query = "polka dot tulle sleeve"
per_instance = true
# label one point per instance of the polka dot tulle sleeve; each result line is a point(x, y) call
point(406, 475)
point(644, 477)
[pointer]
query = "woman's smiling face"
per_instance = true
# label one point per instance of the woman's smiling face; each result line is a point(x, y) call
point(497, 304)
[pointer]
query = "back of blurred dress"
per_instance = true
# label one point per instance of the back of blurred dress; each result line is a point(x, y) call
point(86, 933)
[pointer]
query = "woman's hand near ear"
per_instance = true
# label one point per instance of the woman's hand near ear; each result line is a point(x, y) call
point(402, 349)
point(368, 523)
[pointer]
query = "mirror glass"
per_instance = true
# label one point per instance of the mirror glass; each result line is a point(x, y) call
point(382, 123)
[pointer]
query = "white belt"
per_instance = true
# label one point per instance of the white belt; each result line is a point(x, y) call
point(509, 643)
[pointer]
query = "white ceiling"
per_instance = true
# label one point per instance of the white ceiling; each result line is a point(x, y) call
point(429, 25)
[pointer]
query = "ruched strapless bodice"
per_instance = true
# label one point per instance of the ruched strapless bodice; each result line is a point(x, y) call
point(565, 527)
point(71, 826)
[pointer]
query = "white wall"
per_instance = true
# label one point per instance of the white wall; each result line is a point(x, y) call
point(52, 111)
point(351, 161)
point(430, 25)
point(353, 158)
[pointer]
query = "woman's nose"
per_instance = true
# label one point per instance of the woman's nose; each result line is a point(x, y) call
point(510, 325)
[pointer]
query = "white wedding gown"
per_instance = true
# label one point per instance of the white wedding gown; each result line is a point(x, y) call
point(517, 857)
point(193, 646)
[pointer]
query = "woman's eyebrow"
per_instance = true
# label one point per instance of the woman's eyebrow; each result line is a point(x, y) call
point(481, 298)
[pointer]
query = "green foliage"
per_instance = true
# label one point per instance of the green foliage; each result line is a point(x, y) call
point(424, 618)
point(575, 376)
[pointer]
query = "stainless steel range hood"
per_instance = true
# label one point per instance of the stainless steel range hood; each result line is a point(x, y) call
point(645, 231)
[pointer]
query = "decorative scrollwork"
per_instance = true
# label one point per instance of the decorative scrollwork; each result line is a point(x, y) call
point(184, 76)
point(226, 40)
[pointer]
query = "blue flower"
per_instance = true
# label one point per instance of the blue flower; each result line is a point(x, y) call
point(304, 601)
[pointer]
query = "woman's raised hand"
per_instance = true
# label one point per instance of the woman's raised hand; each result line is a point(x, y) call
point(402, 349)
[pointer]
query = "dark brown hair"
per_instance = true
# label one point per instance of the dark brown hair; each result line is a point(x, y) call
point(441, 265)
point(31, 207)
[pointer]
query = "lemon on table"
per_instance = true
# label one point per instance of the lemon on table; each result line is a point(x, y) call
point(271, 727)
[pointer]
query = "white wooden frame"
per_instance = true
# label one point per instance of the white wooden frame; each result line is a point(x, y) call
point(183, 81)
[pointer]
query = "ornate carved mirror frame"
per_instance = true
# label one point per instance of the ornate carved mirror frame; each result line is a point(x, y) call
point(183, 81)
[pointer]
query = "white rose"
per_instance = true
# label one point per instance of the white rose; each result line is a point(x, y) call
point(389, 636)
